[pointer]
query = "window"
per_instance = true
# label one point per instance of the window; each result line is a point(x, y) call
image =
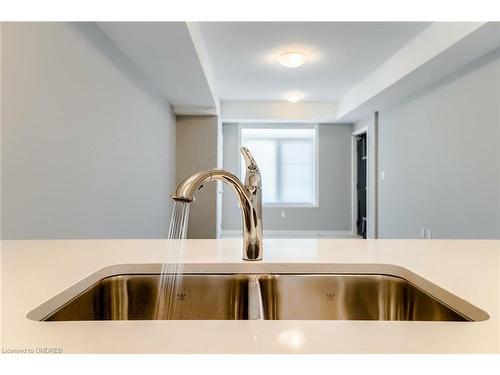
point(286, 155)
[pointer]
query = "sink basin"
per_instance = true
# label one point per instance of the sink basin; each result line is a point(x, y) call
point(349, 297)
point(269, 292)
point(134, 297)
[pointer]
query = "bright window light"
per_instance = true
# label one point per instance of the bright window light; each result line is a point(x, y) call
point(286, 155)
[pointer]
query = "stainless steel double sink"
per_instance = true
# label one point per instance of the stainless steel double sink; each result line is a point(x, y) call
point(373, 294)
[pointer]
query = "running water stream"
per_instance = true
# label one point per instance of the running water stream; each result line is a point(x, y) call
point(171, 273)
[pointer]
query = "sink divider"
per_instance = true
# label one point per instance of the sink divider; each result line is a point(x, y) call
point(255, 304)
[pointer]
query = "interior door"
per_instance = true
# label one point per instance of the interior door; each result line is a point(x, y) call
point(361, 186)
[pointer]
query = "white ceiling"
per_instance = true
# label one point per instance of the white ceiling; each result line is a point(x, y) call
point(165, 53)
point(230, 68)
point(242, 56)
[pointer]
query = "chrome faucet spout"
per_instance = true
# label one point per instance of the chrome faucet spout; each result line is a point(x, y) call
point(249, 197)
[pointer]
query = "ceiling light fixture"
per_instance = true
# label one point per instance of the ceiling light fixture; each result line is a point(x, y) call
point(294, 97)
point(292, 59)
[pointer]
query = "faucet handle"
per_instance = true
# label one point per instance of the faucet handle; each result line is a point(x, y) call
point(252, 177)
point(249, 160)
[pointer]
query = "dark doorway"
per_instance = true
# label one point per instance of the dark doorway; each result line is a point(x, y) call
point(361, 187)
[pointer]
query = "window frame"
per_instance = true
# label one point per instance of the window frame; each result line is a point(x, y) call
point(315, 127)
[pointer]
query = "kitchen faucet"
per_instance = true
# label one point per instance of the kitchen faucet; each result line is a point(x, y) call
point(249, 198)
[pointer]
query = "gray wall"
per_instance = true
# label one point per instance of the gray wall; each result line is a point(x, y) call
point(197, 150)
point(440, 151)
point(88, 147)
point(334, 211)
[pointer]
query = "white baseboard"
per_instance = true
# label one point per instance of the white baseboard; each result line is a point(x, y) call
point(293, 233)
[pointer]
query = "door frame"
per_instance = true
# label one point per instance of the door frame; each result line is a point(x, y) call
point(354, 170)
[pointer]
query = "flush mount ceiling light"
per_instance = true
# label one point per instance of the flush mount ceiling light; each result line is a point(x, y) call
point(294, 97)
point(292, 59)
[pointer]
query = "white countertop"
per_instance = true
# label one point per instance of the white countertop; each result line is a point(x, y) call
point(35, 271)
